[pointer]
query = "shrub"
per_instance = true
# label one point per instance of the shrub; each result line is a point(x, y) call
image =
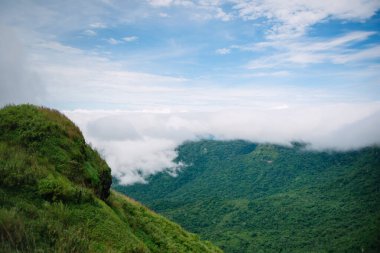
point(59, 189)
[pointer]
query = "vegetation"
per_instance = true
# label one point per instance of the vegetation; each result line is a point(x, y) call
point(248, 197)
point(55, 194)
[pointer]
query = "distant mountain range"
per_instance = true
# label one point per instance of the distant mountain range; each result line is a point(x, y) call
point(249, 197)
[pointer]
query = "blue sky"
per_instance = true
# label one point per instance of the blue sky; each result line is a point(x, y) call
point(331, 48)
point(228, 52)
point(140, 77)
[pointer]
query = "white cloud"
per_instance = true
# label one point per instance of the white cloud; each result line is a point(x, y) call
point(163, 15)
point(223, 51)
point(88, 80)
point(98, 25)
point(346, 39)
point(137, 144)
point(199, 10)
point(113, 41)
point(116, 132)
point(357, 56)
point(312, 45)
point(89, 32)
point(336, 50)
point(161, 2)
point(130, 38)
point(293, 18)
point(269, 73)
point(76, 76)
point(222, 15)
point(167, 3)
point(145, 156)
point(287, 19)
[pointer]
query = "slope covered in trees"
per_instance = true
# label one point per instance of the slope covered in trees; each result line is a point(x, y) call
point(248, 197)
point(55, 194)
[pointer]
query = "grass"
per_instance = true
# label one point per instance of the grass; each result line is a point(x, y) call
point(55, 194)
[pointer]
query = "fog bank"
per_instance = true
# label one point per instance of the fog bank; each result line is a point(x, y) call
point(138, 144)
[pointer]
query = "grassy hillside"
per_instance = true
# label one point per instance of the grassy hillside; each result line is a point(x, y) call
point(55, 194)
point(248, 197)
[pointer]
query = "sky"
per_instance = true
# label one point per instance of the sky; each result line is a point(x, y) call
point(141, 77)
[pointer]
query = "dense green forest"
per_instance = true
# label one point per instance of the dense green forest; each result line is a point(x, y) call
point(248, 197)
point(55, 194)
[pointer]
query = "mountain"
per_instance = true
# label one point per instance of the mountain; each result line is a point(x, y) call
point(249, 197)
point(55, 194)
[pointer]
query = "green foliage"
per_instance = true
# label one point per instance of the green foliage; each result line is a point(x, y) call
point(50, 135)
point(12, 232)
point(59, 189)
point(55, 194)
point(17, 167)
point(248, 197)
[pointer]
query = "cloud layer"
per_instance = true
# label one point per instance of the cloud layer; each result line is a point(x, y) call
point(138, 144)
point(296, 16)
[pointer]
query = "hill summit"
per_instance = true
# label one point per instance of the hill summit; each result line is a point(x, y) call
point(55, 194)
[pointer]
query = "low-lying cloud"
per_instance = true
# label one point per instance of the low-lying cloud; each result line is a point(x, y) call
point(138, 144)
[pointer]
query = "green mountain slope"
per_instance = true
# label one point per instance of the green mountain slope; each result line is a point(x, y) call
point(248, 197)
point(55, 194)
